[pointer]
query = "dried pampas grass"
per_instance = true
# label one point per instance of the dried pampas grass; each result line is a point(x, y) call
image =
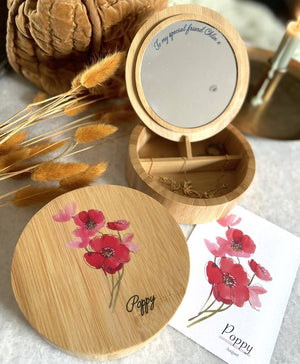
point(91, 133)
point(85, 178)
point(102, 70)
point(54, 171)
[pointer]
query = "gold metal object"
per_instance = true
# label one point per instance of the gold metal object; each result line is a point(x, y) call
point(278, 117)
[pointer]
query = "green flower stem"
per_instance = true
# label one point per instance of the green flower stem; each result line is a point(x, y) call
point(251, 279)
point(107, 280)
point(201, 312)
point(119, 236)
point(220, 309)
point(112, 290)
point(118, 284)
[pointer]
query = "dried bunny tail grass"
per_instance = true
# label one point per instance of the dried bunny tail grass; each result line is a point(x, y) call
point(40, 96)
point(124, 106)
point(32, 195)
point(22, 171)
point(85, 178)
point(76, 82)
point(86, 134)
point(54, 171)
point(102, 70)
point(13, 142)
point(13, 157)
point(76, 108)
point(45, 148)
point(117, 116)
point(12, 192)
point(99, 114)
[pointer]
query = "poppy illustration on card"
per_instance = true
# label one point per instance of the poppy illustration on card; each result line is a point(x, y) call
point(108, 252)
point(229, 274)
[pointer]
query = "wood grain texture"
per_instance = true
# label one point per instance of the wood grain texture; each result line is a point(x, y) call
point(66, 300)
point(137, 49)
point(152, 157)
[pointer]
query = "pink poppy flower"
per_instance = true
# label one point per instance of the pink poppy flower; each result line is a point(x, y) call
point(127, 241)
point(118, 225)
point(238, 244)
point(229, 282)
point(229, 220)
point(109, 254)
point(254, 301)
point(66, 213)
point(78, 243)
point(259, 271)
point(90, 221)
point(217, 250)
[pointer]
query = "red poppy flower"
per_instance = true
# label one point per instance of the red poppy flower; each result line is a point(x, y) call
point(259, 271)
point(90, 221)
point(127, 241)
point(238, 244)
point(66, 213)
point(118, 225)
point(79, 243)
point(219, 250)
point(109, 254)
point(229, 220)
point(254, 301)
point(230, 282)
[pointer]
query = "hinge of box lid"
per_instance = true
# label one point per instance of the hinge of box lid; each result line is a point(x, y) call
point(185, 147)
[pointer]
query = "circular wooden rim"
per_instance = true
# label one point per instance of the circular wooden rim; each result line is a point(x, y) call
point(41, 280)
point(161, 190)
point(135, 55)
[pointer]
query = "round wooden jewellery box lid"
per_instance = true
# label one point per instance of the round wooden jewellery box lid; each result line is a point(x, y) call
point(187, 75)
point(99, 271)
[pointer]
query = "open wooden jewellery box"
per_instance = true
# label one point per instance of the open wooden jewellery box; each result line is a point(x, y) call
point(187, 75)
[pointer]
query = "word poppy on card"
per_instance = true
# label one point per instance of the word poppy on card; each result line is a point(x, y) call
point(118, 225)
point(109, 254)
point(230, 282)
point(259, 271)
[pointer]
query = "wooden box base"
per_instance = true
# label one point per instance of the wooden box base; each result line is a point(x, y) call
point(163, 168)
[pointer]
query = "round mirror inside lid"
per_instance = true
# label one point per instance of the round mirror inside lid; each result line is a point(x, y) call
point(187, 73)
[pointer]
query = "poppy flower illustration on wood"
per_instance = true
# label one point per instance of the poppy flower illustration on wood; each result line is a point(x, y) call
point(230, 282)
point(104, 251)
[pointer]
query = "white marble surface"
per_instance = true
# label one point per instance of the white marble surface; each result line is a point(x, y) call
point(274, 195)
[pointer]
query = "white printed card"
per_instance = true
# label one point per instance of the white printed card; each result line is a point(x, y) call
point(242, 272)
